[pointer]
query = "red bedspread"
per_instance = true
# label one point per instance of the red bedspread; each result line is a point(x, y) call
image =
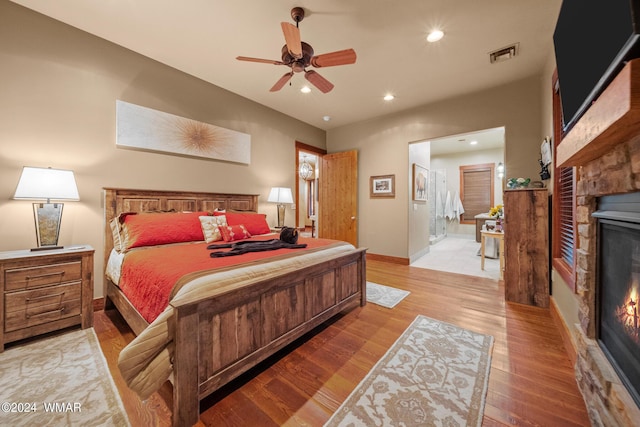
point(149, 274)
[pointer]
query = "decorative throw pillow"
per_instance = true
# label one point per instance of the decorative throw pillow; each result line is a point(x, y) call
point(210, 227)
point(255, 223)
point(115, 231)
point(150, 229)
point(231, 233)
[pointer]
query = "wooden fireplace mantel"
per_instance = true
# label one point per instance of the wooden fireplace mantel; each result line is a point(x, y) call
point(613, 118)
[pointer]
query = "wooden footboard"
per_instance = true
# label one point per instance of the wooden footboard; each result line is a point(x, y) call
point(218, 338)
point(247, 325)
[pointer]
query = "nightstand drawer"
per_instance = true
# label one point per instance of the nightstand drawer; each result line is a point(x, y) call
point(34, 307)
point(33, 277)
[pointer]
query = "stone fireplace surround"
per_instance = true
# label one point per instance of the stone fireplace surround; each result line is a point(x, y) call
point(605, 147)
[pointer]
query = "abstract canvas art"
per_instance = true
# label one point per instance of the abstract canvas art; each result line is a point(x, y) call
point(147, 129)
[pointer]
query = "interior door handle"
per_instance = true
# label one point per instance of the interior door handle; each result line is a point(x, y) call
point(353, 218)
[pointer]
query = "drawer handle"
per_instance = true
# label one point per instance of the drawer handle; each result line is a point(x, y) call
point(42, 276)
point(61, 294)
point(61, 310)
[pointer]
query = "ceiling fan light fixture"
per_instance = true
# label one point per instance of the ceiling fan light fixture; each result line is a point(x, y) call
point(305, 89)
point(435, 36)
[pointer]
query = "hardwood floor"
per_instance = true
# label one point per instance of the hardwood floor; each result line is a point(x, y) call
point(531, 382)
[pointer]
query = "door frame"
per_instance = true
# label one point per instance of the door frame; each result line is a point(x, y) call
point(303, 148)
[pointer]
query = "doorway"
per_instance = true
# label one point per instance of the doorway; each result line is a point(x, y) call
point(306, 198)
point(452, 242)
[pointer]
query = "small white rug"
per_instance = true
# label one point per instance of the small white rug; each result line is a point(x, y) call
point(435, 374)
point(384, 295)
point(59, 381)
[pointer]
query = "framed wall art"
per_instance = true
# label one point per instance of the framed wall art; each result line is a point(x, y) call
point(420, 182)
point(151, 130)
point(381, 186)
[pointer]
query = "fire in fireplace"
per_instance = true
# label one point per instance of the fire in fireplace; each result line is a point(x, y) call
point(618, 286)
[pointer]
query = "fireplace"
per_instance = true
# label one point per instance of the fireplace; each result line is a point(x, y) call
point(604, 146)
point(618, 286)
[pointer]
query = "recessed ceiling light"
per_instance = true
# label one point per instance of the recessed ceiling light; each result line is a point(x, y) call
point(474, 142)
point(326, 118)
point(434, 36)
point(305, 89)
point(388, 97)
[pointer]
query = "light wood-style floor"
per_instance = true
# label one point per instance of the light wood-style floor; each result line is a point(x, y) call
point(531, 382)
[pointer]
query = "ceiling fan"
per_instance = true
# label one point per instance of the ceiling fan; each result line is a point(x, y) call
point(299, 55)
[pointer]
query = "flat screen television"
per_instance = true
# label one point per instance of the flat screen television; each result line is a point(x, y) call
point(593, 40)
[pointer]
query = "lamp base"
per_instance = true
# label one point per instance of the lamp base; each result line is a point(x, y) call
point(48, 217)
point(280, 215)
point(46, 248)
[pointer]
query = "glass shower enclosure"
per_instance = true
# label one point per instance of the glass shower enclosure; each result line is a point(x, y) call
point(437, 196)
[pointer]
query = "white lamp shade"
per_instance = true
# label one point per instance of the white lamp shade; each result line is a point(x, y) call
point(280, 195)
point(46, 183)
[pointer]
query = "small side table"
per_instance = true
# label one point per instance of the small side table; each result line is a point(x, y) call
point(496, 235)
point(44, 291)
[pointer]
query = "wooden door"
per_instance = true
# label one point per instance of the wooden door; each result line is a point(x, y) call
point(338, 207)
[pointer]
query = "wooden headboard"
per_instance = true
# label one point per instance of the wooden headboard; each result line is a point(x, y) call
point(119, 200)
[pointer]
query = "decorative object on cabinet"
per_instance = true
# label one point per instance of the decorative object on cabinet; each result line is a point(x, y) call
point(382, 186)
point(152, 130)
point(45, 291)
point(420, 182)
point(515, 183)
point(280, 195)
point(48, 184)
point(526, 224)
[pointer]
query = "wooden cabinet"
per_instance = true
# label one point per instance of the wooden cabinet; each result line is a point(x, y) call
point(43, 291)
point(526, 226)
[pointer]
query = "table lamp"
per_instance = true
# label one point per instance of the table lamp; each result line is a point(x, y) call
point(48, 184)
point(280, 195)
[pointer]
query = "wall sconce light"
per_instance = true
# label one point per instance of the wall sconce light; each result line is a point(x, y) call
point(47, 183)
point(500, 170)
point(280, 195)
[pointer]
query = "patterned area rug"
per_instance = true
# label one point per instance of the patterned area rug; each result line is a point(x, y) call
point(436, 374)
point(384, 295)
point(59, 381)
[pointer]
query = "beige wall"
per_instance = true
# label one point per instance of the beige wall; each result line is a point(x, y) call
point(418, 211)
point(383, 149)
point(59, 86)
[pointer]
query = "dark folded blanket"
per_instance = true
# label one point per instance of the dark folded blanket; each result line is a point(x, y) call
point(244, 246)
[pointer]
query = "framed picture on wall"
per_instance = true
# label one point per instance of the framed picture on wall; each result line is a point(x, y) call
point(420, 182)
point(382, 186)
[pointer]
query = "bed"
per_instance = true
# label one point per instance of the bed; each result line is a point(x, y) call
point(220, 323)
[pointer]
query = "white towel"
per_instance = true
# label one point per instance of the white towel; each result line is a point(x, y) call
point(448, 207)
point(457, 206)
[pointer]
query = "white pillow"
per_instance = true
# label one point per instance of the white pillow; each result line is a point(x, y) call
point(210, 227)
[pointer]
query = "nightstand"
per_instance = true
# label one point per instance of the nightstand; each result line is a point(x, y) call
point(43, 291)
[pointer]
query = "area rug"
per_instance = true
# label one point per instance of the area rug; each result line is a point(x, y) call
point(59, 381)
point(384, 295)
point(435, 374)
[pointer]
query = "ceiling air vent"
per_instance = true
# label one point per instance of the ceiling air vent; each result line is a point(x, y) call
point(504, 53)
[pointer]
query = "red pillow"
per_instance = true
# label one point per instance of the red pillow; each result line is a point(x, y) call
point(255, 223)
point(150, 229)
point(231, 233)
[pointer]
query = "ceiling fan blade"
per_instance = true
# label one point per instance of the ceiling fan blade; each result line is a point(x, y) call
point(292, 37)
point(264, 61)
point(341, 57)
point(280, 83)
point(318, 81)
